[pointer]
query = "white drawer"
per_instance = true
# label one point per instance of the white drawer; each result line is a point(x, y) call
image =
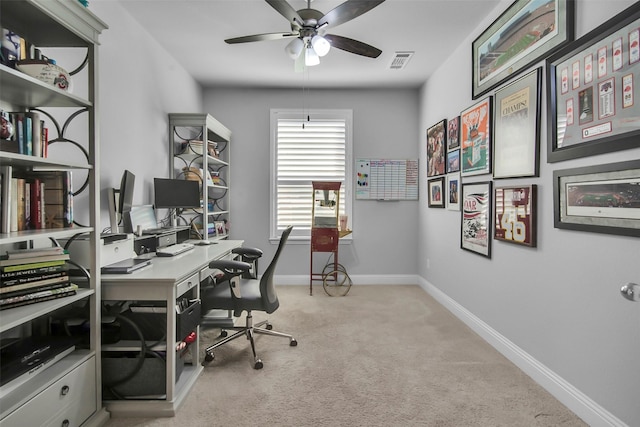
point(72, 397)
point(187, 284)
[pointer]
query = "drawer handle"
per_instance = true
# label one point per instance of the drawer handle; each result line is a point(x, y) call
point(66, 423)
point(64, 391)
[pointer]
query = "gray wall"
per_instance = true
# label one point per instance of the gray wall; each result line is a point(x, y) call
point(385, 125)
point(559, 302)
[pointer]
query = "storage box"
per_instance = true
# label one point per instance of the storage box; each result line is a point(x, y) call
point(112, 251)
point(188, 320)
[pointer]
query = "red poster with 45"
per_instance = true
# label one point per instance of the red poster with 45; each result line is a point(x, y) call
point(515, 214)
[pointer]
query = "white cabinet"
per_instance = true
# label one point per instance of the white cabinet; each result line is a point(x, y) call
point(67, 392)
point(207, 162)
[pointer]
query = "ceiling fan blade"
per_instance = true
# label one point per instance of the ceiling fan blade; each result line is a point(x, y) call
point(287, 11)
point(347, 11)
point(261, 37)
point(352, 46)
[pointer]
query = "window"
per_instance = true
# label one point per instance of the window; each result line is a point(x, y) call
point(308, 146)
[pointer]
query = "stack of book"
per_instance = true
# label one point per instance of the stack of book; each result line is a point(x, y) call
point(34, 275)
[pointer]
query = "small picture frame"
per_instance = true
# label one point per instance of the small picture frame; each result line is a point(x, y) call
point(475, 233)
point(453, 133)
point(453, 161)
point(437, 193)
point(221, 230)
point(515, 214)
point(453, 192)
point(437, 148)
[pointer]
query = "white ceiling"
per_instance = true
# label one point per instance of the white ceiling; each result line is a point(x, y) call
point(193, 32)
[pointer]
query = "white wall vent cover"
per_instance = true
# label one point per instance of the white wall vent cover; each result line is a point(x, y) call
point(400, 60)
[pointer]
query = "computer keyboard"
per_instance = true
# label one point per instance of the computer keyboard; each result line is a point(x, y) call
point(174, 250)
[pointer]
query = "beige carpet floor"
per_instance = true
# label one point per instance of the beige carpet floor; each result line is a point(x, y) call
point(380, 356)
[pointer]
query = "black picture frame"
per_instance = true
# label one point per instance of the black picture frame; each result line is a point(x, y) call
point(437, 192)
point(516, 127)
point(515, 214)
point(437, 149)
point(496, 59)
point(600, 198)
point(475, 221)
point(590, 91)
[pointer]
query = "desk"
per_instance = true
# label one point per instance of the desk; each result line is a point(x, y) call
point(165, 279)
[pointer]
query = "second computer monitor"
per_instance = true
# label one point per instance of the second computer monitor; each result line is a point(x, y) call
point(176, 193)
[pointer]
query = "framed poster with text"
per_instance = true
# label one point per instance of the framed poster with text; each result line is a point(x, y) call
point(476, 218)
point(515, 214)
point(475, 138)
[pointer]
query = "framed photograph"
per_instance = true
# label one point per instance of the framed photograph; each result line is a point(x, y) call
point(525, 33)
point(436, 193)
point(453, 133)
point(221, 230)
point(515, 214)
point(453, 192)
point(436, 148)
point(601, 198)
point(591, 86)
point(516, 137)
point(475, 138)
point(476, 218)
point(453, 161)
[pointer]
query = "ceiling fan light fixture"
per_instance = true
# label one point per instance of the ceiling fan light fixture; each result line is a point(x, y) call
point(311, 58)
point(320, 45)
point(294, 48)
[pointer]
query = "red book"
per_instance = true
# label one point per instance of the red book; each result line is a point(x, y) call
point(36, 204)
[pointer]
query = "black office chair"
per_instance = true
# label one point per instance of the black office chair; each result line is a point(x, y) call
point(240, 294)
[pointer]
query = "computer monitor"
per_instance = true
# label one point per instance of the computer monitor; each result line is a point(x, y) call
point(125, 197)
point(176, 193)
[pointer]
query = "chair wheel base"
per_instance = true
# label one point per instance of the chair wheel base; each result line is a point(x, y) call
point(223, 333)
point(258, 364)
point(208, 358)
point(293, 342)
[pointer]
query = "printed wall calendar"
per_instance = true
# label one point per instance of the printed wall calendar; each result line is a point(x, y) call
point(384, 179)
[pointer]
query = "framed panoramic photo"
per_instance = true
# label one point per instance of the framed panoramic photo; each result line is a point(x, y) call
point(601, 198)
point(515, 214)
point(476, 218)
point(516, 137)
point(591, 86)
point(526, 32)
point(453, 192)
point(475, 138)
point(436, 192)
point(436, 148)
point(453, 133)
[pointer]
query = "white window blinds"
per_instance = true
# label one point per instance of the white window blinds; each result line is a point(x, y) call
point(316, 148)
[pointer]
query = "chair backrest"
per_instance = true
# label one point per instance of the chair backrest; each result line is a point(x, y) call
point(267, 288)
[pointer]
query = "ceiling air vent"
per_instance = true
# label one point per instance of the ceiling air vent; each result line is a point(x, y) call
point(400, 60)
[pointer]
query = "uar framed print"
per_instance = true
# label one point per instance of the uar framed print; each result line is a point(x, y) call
point(516, 142)
point(476, 218)
point(601, 198)
point(526, 32)
point(515, 214)
point(475, 138)
point(591, 87)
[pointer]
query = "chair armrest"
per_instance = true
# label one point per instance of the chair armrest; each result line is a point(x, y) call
point(230, 268)
point(248, 253)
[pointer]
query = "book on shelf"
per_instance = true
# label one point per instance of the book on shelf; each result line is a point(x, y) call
point(5, 197)
point(36, 204)
point(13, 203)
point(5, 262)
point(32, 277)
point(33, 286)
point(32, 269)
point(36, 297)
point(30, 253)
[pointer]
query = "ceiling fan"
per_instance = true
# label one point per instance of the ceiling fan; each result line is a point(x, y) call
point(308, 28)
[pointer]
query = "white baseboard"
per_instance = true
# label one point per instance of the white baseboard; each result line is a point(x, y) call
point(357, 279)
point(583, 406)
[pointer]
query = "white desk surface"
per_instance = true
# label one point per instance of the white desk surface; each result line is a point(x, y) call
point(170, 270)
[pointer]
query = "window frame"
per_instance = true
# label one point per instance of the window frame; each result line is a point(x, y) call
point(331, 114)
